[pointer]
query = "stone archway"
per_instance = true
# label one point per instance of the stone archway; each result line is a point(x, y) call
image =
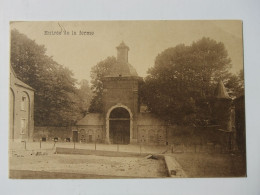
point(119, 125)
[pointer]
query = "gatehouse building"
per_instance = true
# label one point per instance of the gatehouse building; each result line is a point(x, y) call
point(121, 121)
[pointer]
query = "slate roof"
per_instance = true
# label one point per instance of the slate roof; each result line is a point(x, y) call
point(122, 45)
point(91, 119)
point(123, 69)
point(19, 82)
point(220, 91)
point(22, 84)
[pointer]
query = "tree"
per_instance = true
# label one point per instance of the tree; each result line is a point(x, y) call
point(183, 78)
point(85, 95)
point(98, 72)
point(55, 91)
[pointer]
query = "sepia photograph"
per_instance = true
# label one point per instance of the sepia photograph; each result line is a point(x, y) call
point(126, 99)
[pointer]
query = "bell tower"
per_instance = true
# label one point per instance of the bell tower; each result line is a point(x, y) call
point(121, 94)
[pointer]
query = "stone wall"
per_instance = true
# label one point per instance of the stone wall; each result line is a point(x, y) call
point(21, 115)
point(185, 136)
point(151, 135)
point(222, 113)
point(91, 133)
point(240, 123)
point(122, 91)
point(50, 132)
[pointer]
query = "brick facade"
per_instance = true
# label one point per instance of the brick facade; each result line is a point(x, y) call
point(21, 105)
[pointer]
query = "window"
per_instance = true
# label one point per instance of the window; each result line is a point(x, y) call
point(23, 126)
point(23, 103)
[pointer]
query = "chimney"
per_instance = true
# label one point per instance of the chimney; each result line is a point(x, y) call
point(122, 53)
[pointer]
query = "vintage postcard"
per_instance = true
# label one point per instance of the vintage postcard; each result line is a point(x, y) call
point(126, 99)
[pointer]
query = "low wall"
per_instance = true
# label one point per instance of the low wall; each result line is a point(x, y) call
point(192, 135)
point(50, 132)
point(180, 138)
point(91, 133)
point(184, 135)
point(60, 150)
point(191, 139)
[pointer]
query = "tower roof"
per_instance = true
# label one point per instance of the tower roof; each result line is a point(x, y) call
point(122, 68)
point(122, 45)
point(220, 91)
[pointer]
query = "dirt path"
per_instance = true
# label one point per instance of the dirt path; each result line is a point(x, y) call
point(135, 167)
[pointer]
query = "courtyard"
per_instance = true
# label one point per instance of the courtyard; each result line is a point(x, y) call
point(59, 161)
point(87, 166)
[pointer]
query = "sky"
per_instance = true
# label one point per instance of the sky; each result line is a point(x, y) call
point(146, 39)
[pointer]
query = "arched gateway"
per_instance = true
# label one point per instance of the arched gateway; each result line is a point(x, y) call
point(119, 125)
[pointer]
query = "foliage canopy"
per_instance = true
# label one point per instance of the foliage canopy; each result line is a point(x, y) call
point(98, 72)
point(57, 100)
point(183, 79)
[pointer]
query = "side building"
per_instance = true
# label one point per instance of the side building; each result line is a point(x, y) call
point(21, 106)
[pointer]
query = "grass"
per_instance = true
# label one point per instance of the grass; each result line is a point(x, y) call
point(212, 165)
